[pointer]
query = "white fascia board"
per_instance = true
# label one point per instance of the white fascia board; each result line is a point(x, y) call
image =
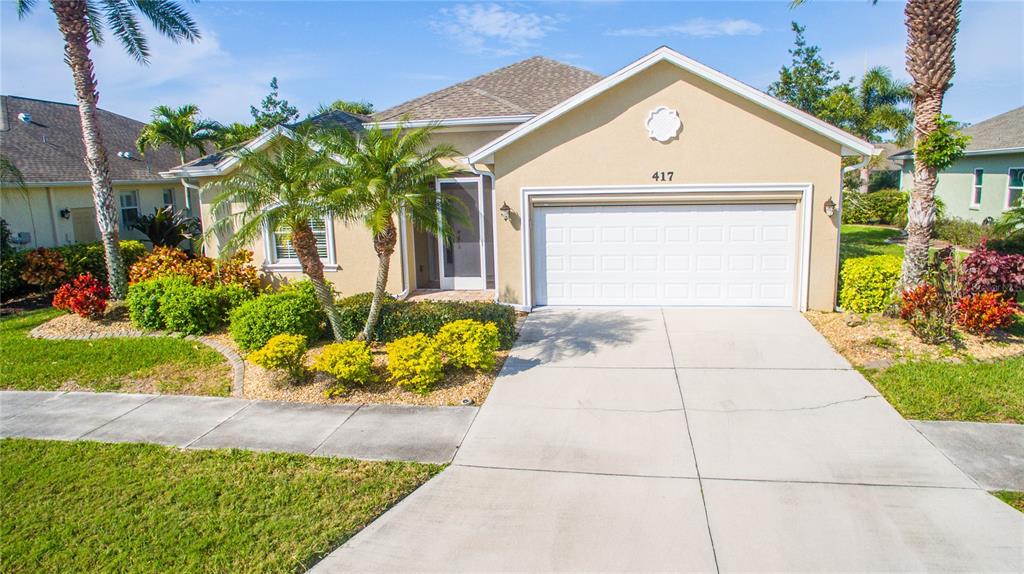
point(851, 144)
point(909, 155)
point(454, 122)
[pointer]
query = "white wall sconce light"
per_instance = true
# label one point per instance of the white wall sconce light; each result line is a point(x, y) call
point(506, 211)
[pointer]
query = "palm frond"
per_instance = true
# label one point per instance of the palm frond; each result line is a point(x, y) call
point(169, 18)
point(95, 18)
point(25, 7)
point(126, 28)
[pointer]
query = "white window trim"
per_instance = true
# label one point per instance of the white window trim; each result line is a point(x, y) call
point(1009, 180)
point(292, 264)
point(120, 208)
point(976, 188)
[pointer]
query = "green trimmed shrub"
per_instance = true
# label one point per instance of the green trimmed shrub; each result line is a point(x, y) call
point(89, 257)
point(869, 283)
point(294, 310)
point(186, 308)
point(961, 232)
point(1013, 245)
point(877, 207)
point(144, 301)
point(468, 344)
point(403, 318)
point(347, 362)
point(231, 295)
point(283, 352)
point(415, 363)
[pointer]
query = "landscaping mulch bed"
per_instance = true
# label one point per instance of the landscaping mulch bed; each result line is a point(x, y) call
point(72, 325)
point(459, 385)
point(876, 341)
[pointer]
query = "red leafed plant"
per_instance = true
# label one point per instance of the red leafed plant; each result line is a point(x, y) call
point(983, 313)
point(987, 270)
point(86, 296)
point(917, 300)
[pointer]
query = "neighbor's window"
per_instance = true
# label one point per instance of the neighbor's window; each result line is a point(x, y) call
point(169, 198)
point(281, 241)
point(1015, 188)
point(129, 208)
point(976, 192)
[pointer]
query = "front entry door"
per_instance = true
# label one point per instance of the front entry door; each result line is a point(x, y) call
point(462, 259)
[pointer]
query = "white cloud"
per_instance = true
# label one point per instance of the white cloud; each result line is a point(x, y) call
point(205, 73)
point(696, 27)
point(492, 28)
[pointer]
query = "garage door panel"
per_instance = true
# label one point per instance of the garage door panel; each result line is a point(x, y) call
point(713, 255)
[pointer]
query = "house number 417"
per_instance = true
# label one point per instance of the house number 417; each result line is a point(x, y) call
point(663, 175)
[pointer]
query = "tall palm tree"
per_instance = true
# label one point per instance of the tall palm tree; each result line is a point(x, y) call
point(235, 134)
point(390, 174)
point(874, 106)
point(931, 39)
point(180, 128)
point(282, 189)
point(10, 173)
point(82, 22)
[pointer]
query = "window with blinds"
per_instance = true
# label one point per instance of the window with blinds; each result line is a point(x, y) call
point(282, 239)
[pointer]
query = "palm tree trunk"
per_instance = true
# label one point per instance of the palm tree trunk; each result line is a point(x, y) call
point(184, 185)
point(384, 245)
point(921, 211)
point(931, 39)
point(73, 24)
point(305, 248)
point(865, 175)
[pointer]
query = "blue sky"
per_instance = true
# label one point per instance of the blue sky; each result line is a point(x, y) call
point(389, 52)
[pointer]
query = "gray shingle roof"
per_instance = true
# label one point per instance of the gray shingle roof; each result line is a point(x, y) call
point(49, 148)
point(999, 132)
point(527, 87)
point(1002, 131)
point(350, 121)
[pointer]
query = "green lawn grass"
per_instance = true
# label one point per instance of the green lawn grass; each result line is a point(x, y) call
point(1014, 499)
point(92, 507)
point(865, 240)
point(177, 365)
point(968, 391)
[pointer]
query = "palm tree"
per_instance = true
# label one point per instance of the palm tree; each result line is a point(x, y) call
point(179, 128)
point(391, 174)
point(235, 134)
point(82, 22)
point(931, 39)
point(10, 173)
point(874, 106)
point(282, 189)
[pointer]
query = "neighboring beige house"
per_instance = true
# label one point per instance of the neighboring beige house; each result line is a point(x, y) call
point(665, 183)
point(44, 140)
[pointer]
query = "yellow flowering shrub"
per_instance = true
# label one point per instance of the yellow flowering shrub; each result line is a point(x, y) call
point(468, 343)
point(282, 352)
point(348, 362)
point(415, 363)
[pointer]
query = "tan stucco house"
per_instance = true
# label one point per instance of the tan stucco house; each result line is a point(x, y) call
point(44, 141)
point(665, 183)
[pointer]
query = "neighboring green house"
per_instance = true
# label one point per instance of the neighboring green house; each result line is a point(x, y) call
point(989, 179)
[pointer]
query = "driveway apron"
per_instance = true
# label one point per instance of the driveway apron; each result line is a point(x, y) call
point(650, 439)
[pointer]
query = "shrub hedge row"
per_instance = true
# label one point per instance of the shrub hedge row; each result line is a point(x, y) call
point(78, 258)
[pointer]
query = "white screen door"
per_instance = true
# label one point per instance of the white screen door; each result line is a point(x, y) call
point(462, 258)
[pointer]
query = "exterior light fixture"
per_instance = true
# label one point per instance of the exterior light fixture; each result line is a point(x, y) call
point(506, 211)
point(830, 207)
point(65, 213)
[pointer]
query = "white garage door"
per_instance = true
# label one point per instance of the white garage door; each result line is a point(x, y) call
point(714, 255)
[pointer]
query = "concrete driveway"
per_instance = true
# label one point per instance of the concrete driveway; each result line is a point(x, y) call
point(688, 440)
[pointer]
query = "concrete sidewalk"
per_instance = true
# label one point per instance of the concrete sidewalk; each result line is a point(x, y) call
point(991, 453)
point(714, 440)
point(374, 432)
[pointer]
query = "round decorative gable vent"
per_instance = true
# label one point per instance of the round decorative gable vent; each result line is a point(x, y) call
point(663, 124)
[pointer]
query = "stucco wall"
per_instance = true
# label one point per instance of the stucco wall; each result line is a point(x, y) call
point(49, 229)
point(956, 185)
point(725, 139)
